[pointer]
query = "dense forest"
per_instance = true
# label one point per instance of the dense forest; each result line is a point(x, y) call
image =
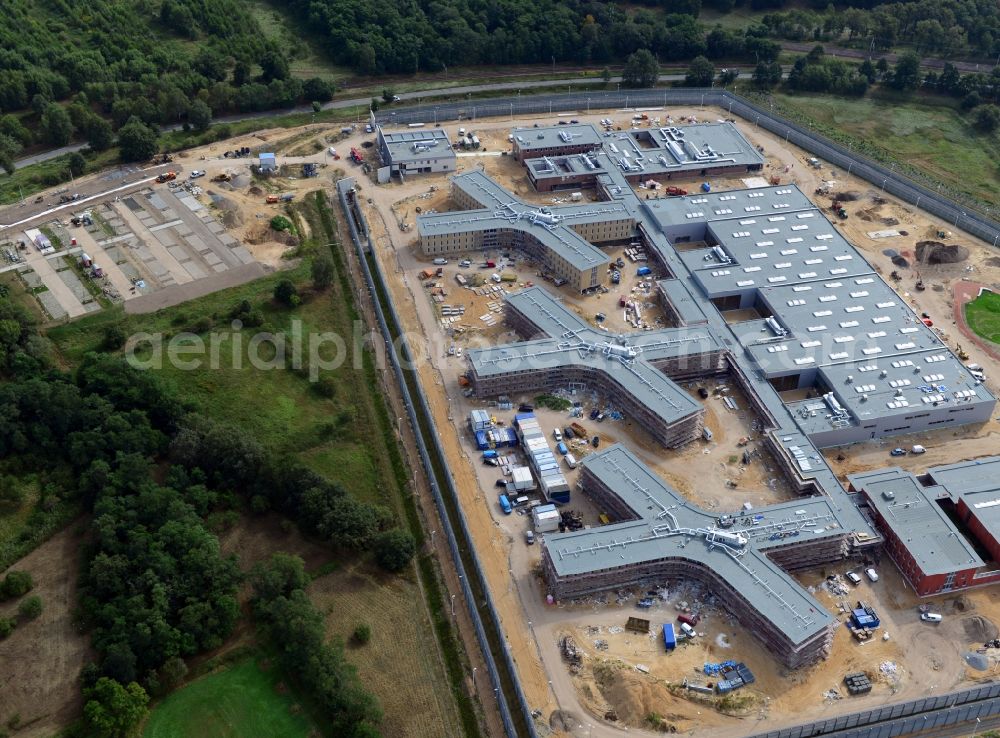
point(374, 36)
point(69, 67)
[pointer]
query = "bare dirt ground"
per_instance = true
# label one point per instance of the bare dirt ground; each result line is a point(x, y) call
point(510, 565)
point(42, 658)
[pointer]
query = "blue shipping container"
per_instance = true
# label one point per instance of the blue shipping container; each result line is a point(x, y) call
point(560, 498)
point(669, 636)
point(505, 505)
point(481, 442)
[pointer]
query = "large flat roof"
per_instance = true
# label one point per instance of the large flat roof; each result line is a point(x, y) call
point(582, 134)
point(670, 526)
point(653, 152)
point(417, 145)
point(911, 512)
point(977, 483)
point(551, 226)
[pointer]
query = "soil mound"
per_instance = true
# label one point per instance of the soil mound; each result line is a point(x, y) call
point(563, 721)
point(900, 262)
point(935, 252)
point(635, 699)
point(848, 196)
point(993, 261)
point(979, 629)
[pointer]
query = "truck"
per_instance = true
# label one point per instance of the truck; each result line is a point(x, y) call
point(578, 430)
point(166, 177)
point(461, 280)
point(669, 636)
point(489, 454)
point(356, 156)
point(505, 505)
point(475, 142)
point(570, 460)
point(222, 177)
point(271, 199)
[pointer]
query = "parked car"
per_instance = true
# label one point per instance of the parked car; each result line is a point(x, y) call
point(918, 449)
point(529, 537)
point(568, 433)
point(898, 452)
point(595, 441)
point(931, 617)
point(852, 577)
point(871, 573)
point(594, 413)
point(197, 173)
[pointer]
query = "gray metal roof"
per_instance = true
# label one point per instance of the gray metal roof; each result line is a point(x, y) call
point(643, 151)
point(417, 145)
point(977, 483)
point(501, 210)
point(552, 136)
point(670, 526)
point(911, 512)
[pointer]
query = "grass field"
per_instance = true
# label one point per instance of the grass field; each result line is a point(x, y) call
point(279, 407)
point(930, 134)
point(983, 316)
point(409, 680)
point(245, 700)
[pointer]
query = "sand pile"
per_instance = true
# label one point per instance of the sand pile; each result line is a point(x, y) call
point(979, 629)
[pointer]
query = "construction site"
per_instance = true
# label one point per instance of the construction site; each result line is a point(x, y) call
point(745, 449)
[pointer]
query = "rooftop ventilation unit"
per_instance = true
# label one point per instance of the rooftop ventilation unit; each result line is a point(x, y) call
point(721, 255)
point(775, 326)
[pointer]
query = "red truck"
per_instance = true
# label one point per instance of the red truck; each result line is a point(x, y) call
point(356, 156)
point(489, 265)
point(676, 192)
point(691, 620)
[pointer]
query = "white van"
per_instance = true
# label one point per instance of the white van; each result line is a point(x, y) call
point(529, 537)
point(931, 617)
point(918, 449)
point(440, 262)
point(853, 578)
point(557, 435)
point(570, 460)
point(688, 630)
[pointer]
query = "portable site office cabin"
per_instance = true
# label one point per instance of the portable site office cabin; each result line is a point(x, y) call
point(545, 518)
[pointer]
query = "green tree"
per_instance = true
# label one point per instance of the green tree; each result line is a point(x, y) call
point(281, 223)
point(394, 549)
point(388, 94)
point(77, 164)
point(317, 88)
point(322, 272)
point(606, 75)
point(728, 75)
point(55, 124)
point(113, 710)
point(986, 118)
point(200, 115)
point(286, 293)
point(362, 633)
point(868, 70)
point(99, 133)
point(373, 105)
point(274, 65)
point(9, 148)
point(16, 584)
point(7, 626)
point(11, 126)
point(115, 337)
point(641, 69)
point(30, 608)
point(136, 140)
point(906, 74)
point(700, 73)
